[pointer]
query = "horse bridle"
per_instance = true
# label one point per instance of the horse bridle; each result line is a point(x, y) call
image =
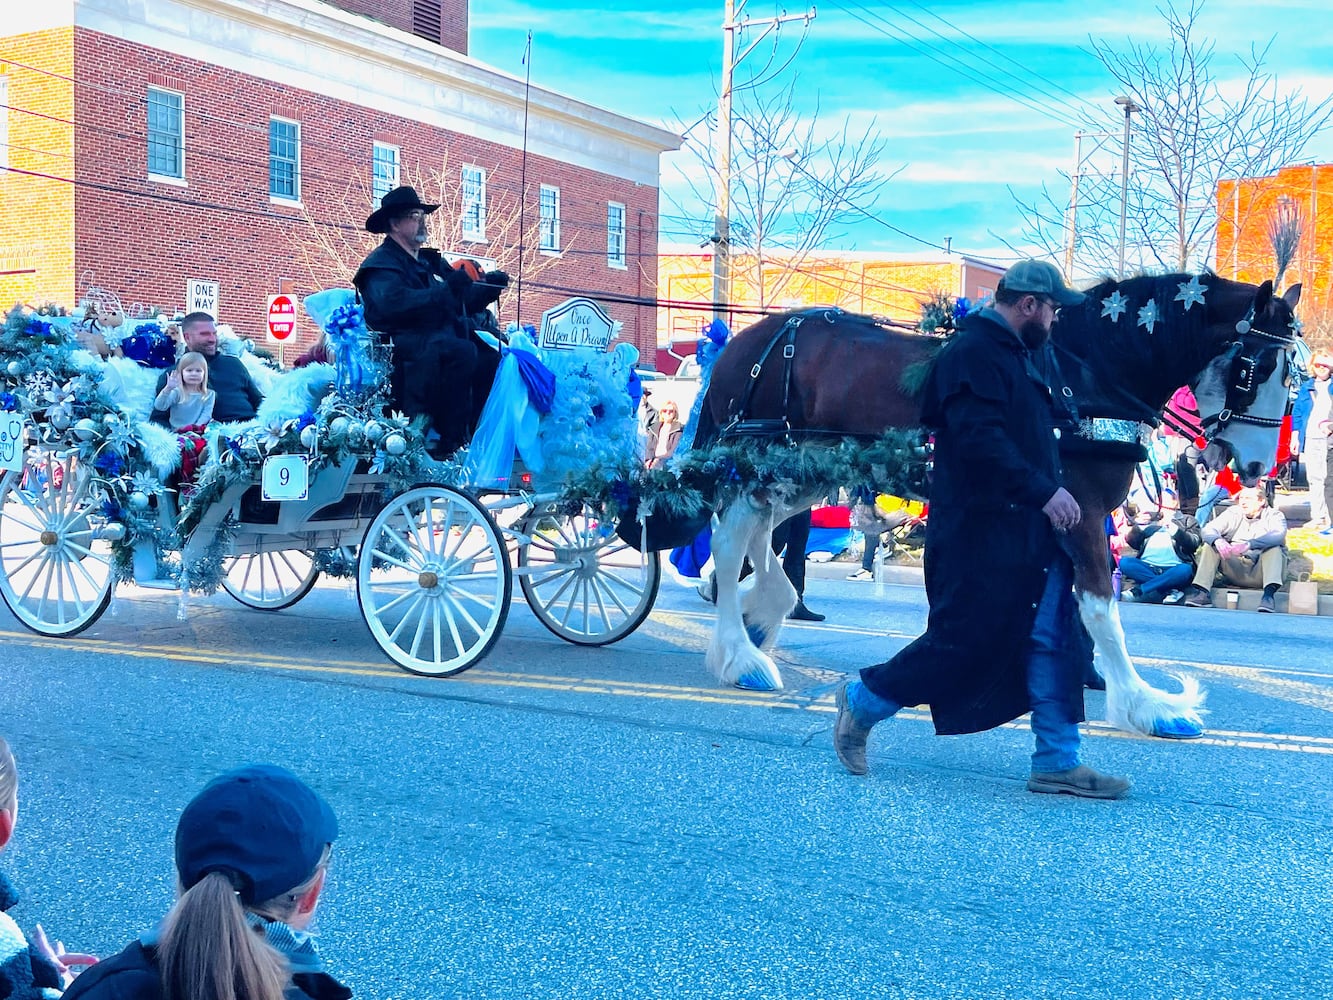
point(1241, 391)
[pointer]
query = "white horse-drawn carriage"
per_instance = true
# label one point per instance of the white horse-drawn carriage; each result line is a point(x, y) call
point(433, 548)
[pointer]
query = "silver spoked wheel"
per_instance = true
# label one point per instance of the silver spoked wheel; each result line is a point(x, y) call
point(434, 581)
point(55, 569)
point(581, 581)
point(270, 581)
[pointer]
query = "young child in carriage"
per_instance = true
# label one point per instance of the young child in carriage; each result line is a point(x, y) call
point(188, 402)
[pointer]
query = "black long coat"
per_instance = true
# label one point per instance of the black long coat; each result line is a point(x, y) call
point(988, 544)
point(421, 295)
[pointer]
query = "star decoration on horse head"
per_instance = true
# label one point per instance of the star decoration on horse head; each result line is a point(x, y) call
point(1148, 316)
point(1114, 304)
point(1191, 292)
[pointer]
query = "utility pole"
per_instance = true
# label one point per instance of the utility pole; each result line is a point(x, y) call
point(722, 143)
point(1130, 107)
point(1071, 218)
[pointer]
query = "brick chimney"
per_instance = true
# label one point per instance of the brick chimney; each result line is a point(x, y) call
point(443, 22)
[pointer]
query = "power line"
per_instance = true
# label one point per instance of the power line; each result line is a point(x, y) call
point(950, 62)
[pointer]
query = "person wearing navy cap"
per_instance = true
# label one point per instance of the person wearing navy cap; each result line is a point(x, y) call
point(252, 850)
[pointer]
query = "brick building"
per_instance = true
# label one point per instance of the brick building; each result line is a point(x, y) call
point(244, 142)
point(893, 285)
point(1247, 208)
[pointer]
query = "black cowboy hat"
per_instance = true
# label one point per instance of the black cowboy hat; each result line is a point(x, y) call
point(399, 201)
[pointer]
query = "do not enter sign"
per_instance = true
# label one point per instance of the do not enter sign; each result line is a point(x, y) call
point(281, 317)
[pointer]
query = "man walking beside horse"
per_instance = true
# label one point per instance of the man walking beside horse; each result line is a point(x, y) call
point(1003, 636)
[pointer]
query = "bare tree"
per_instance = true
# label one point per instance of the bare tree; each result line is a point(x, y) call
point(793, 186)
point(1193, 127)
point(331, 247)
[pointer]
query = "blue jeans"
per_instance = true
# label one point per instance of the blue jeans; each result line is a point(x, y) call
point(1056, 734)
point(1156, 583)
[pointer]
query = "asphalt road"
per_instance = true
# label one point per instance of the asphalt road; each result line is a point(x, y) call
point(566, 822)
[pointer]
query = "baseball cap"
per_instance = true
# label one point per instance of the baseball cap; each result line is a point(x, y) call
point(261, 825)
point(1036, 277)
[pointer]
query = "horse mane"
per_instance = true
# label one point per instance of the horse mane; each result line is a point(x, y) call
point(913, 378)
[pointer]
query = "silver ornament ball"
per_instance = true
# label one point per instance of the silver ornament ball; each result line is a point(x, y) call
point(309, 435)
point(139, 500)
point(395, 444)
point(85, 429)
point(374, 431)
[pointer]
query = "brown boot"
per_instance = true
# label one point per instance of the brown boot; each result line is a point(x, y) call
point(1082, 781)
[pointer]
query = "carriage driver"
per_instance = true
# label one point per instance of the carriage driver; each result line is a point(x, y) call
point(421, 305)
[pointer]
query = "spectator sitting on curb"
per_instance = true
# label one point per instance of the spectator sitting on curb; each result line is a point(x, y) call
point(1162, 563)
point(252, 851)
point(1246, 543)
point(36, 970)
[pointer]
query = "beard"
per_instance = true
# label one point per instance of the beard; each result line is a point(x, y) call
point(1034, 334)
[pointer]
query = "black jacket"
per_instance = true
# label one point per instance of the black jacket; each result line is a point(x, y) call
point(421, 295)
point(988, 544)
point(132, 974)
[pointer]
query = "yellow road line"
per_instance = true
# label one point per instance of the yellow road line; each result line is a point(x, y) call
point(629, 689)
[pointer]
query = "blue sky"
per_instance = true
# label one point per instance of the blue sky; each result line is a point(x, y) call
point(960, 142)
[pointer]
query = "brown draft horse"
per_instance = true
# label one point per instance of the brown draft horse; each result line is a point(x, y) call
point(1120, 356)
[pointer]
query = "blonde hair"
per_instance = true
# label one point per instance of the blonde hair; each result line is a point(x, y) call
point(208, 951)
point(193, 359)
point(9, 777)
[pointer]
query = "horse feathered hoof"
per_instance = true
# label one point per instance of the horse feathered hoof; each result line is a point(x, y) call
point(759, 680)
point(1176, 729)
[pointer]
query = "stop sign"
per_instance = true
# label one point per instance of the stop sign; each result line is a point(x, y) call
point(281, 317)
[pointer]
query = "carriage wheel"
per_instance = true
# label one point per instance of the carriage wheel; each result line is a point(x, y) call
point(582, 582)
point(55, 569)
point(434, 581)
point(270, 581)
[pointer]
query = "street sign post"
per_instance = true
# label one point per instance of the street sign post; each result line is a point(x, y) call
point(201, 295)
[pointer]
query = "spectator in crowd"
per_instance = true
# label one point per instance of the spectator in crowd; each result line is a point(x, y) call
point(1162, 563)
point(421, 306)
point(35, 971)
point(1245, 542)
point(237, 397)
point(316, 354)
point(667, 436)
point(252, 850)
point(1310, 417)
point(1184, 433)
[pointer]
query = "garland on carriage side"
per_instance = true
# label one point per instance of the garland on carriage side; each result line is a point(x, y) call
point(702, 480)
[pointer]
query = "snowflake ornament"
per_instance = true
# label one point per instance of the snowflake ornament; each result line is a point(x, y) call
point(1114, 304)
point(1191, 292)
point(1148, 316)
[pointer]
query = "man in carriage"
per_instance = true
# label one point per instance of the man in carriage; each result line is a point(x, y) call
point(238, 396)
point(422, 307)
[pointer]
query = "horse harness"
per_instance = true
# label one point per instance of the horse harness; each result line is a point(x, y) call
point(741, 423)
point(1241, 391)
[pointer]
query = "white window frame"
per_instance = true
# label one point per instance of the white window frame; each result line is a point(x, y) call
point(472, 214)
point(615, 257)
point(282, 199)
point(153, 175)
point(550, 225)
point(395, 180)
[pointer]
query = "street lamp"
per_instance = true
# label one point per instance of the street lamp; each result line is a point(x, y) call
point(1130, 107)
